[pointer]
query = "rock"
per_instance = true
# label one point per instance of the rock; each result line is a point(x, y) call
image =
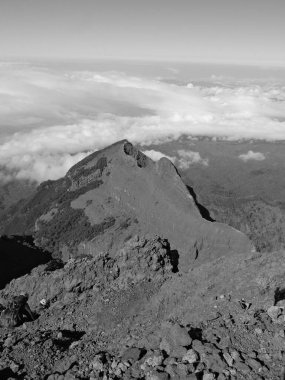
point(242, 367)
point(213, 361)
point(9, 342)
point(233, 371)
point(155, 375)
point(169, 360)
point(74, 344)
point(192, 376)
point(274, 312)
point(235, 355)
point(223, 343)
point(14, 367)
point(198, 346)
point(123, 366)
point(209, 376)
point(280, 303)
point(68, 376)
point(228, 358)
point(64, 364)
point(154, 360)
point(97, 363)
point(171, 370)
point(251, 354)
point(178, 352)
point(190, 357)
point(51, 377)
point(132, 354)
point(174, 336)
point(254, 364)
point(181, 370)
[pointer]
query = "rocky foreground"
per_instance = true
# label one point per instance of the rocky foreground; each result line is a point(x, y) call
point(142, 285)
point(135, 315)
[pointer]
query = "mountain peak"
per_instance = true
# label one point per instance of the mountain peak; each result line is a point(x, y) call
point(116, 193)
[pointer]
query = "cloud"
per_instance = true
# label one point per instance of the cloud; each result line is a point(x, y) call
point(250, 155)
point(51, 117)
point(156, 155)
point(184, 160)
point(188, 158)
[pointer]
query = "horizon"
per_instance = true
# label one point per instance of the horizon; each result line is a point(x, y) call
point(223, 31)
point(45, 60)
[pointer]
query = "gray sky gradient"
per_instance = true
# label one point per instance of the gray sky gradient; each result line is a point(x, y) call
point(226, 31)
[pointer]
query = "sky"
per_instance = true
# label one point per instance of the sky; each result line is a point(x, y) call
point(223, 31)
point(78, 75)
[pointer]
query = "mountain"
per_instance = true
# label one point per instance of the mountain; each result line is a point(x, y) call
point(145, 285)
point(114, 194)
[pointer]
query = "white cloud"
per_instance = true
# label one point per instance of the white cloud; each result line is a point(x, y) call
point(51, 117)
point(187, 158)
point(250, 155)
point(156, 155)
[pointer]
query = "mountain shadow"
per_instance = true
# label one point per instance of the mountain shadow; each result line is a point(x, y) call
point(18, 256)
point(205, 213)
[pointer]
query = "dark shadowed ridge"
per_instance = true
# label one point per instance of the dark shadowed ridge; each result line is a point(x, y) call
point(18, 256)
point(205, 213)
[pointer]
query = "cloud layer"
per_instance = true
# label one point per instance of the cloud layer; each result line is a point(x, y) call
point(187, 158)
point(184, 158)
point(250, 155)
point(156, 155)
point(51, 117)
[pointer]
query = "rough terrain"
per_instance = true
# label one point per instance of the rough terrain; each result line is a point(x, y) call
point(134, 316)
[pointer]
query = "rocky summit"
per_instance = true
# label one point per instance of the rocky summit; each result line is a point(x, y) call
point(141, 284)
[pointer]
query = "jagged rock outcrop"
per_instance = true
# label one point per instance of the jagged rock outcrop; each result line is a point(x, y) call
point(116, 193)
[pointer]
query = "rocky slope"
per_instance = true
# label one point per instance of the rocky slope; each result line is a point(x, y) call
point(134, 316)
point(114, 194)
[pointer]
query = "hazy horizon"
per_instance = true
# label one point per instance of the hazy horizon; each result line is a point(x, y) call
point(220, 31)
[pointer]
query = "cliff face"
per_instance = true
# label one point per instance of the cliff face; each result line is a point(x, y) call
point(116, 193)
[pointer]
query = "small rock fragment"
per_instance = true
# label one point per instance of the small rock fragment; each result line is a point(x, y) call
point(132, 354)
point(209, 376)
point(190, 357)
point(228, 359)
point(274, 312)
